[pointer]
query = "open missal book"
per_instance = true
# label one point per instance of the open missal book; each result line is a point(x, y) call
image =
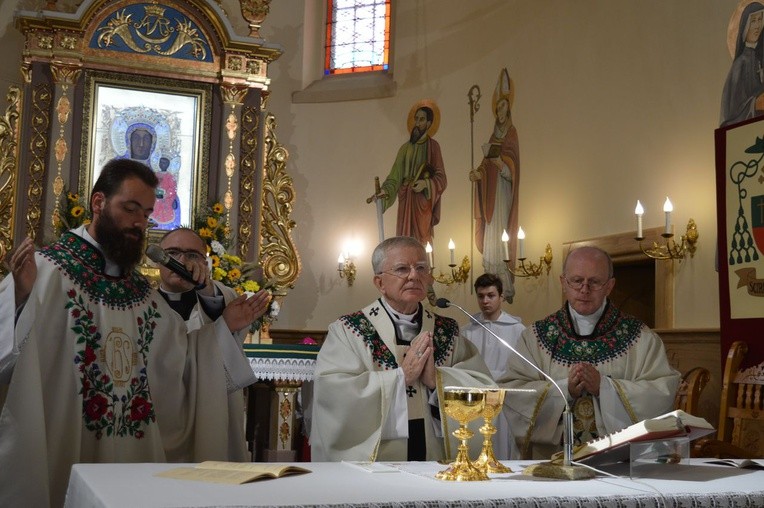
point(233, 473)
point(614, 447)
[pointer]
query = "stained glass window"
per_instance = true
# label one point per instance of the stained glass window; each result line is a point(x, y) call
point(357, 36)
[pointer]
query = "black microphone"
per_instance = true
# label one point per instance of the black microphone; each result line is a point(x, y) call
point(158, 255)
point(567, 438)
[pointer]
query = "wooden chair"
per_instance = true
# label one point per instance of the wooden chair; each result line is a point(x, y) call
point(741, 412)
point(692, 385)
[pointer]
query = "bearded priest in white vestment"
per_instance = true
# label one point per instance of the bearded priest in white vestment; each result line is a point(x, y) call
point(381, 371)
point(611, 366)
point(100, 368)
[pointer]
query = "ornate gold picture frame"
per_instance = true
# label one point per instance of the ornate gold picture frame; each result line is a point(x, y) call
point(162, 123)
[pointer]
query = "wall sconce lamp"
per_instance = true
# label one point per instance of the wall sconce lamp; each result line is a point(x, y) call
point(346, 268)
point(670, 248)
point(529, 269)
point(459, 273)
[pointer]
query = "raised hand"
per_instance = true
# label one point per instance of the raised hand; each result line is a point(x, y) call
point(23, 267)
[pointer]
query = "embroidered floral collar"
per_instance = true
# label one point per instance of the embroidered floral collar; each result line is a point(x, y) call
point(612, 337)
point(83, 264)
point(444, 337)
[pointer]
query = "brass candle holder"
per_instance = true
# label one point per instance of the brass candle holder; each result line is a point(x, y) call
point(487, 461)
point(463, 405)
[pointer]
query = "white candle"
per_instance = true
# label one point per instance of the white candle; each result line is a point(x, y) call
point(668, 208)
point(452, 248)
point(639, 211)
point(428, 250)
point(505, 239)
point(521, 243)
point(340, 262)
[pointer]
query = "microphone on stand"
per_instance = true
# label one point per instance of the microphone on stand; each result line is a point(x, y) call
point(158, 255)
point(568, 470)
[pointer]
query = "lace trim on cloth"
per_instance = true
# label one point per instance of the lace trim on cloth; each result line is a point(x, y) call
point(444, 338)
point(612, 337)
point(283, 369)
point(720, 499)
point(84, 265)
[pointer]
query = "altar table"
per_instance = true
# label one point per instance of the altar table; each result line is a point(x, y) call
point(338, 484)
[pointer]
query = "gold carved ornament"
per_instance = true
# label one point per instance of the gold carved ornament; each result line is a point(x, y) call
point(250, 123)
point(9, 142)
point(42, 98)
point(278, 254)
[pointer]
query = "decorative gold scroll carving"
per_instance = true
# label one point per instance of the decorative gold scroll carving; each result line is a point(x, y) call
point(42, 99)
point(234, 94)
point(250, 122)
point(65, 74)
point(278, 254)
point(153, 31)
point(9, 140)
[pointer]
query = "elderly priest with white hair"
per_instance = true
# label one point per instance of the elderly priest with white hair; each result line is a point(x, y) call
point(380, 370)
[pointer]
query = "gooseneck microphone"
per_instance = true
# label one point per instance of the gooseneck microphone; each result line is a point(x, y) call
point(567, 414)
point(158, 255)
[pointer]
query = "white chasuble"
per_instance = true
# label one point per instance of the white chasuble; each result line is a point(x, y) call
point(636, 383)
point(104, 371)
point(356, 382)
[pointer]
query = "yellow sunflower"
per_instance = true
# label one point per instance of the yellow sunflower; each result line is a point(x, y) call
point(250, 285)
point(212, 222)
point(77, 211)
point(217, 208)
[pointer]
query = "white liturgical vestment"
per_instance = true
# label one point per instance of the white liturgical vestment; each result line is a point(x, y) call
point(101, 369)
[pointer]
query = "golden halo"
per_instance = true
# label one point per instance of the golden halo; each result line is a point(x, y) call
point(435, 116)
point(734, 25)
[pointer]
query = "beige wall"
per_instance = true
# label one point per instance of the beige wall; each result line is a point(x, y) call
point(616, 101)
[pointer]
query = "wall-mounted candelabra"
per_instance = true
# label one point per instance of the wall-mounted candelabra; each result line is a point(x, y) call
point(529, 268)
point(459, 273)
point(670, 249)
point(346, 268)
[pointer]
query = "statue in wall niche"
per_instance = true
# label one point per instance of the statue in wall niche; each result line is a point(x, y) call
point(417, 178)
point(497, 180)
point(743, 94)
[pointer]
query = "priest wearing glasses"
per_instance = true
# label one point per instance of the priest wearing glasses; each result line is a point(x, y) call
point(611, 366)
point(380, 369)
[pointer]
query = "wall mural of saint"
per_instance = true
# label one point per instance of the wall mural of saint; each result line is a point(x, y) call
point(417, 178)
point(497, 181)
point(743, 94)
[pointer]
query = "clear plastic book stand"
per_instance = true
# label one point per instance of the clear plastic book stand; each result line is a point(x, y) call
point(647, 459)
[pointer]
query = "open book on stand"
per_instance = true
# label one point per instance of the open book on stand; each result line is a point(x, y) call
point(614, 447)
point(232, 472)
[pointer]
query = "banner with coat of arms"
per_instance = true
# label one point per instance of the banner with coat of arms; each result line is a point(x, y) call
point(744, 220)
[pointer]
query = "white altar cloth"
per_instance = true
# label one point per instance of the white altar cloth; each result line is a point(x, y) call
point(338, 484)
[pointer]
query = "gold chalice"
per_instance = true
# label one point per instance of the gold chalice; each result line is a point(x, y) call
point(486, 461)
point(463, 405)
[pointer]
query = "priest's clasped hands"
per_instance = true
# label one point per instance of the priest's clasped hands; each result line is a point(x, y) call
point(419, 361)
point(583, 377)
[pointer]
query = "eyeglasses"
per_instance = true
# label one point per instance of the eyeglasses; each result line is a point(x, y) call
point(192, 255)
point(403, 271)
point(578, 283)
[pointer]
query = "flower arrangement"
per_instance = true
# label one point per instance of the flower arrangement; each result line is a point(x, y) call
point(212, 226)
point(230, 269)
point(71, 213)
